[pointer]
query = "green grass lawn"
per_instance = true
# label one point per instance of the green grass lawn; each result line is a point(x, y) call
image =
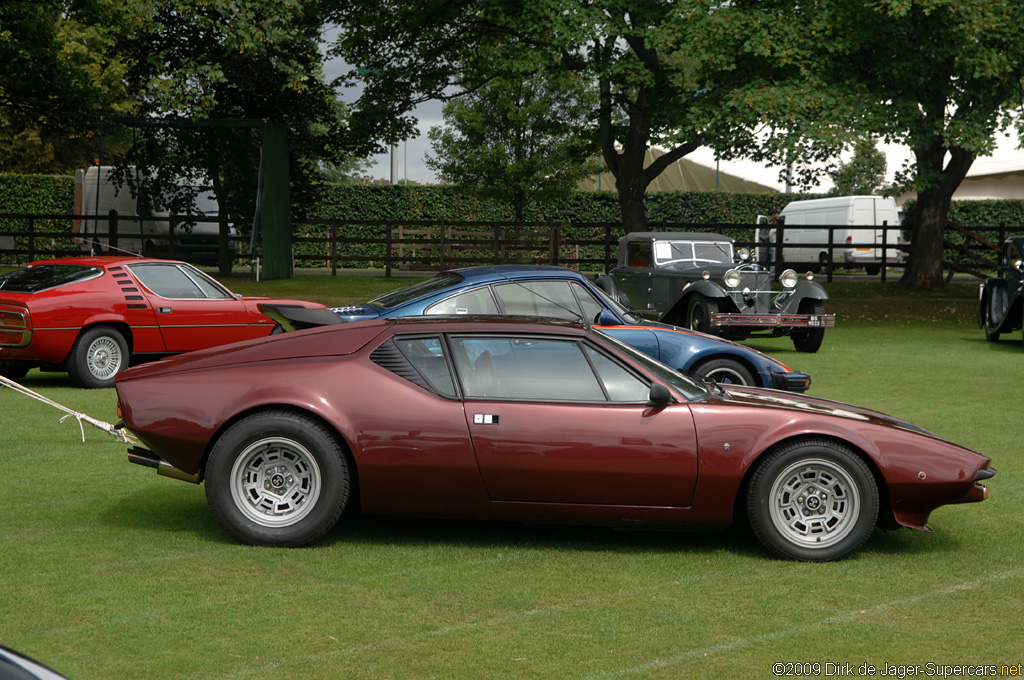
point(108, 571)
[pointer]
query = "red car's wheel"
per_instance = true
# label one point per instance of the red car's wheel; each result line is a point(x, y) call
point(97, 356)
point(277, 478)
point(813, 500)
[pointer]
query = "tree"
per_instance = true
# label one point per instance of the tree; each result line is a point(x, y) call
point(864, 174)
point(233, 59)
point(519, 141)
point(408, 51)
point(60, 75)
point(937, 76)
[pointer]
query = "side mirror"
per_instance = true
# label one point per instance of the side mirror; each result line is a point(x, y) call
point(606, 318)
point(660, 395)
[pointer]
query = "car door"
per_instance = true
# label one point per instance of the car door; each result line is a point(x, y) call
point(556, 420)
point(192, 310)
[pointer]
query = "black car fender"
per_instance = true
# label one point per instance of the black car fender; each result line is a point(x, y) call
point(709, 289)
point(804, 290)
point(1002, 312)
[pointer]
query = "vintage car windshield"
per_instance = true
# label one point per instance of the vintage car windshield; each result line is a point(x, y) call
point(690, 388)
point(696, 252)
point(400, 296)
point(45, 276)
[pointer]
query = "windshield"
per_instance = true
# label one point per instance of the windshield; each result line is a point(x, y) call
point(669, 252)
point(400, 296)
point(45, 276)
point(689, 387)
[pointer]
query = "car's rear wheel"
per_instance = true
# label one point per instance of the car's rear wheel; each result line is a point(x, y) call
point(278, 479)
point(698, 313)
point(724, 370)
point(809, 339)
point(813, 500)
point(97, 356)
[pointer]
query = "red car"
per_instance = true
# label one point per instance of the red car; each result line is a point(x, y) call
point(505, 418)
point(93, 316)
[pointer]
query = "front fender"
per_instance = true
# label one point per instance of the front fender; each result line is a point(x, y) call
point(676, 312)
point(804, 290)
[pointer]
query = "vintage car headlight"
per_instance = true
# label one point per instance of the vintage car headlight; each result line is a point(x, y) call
point(788, 278)
point(732, 278)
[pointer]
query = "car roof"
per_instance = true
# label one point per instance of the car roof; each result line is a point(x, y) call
point(104, 261)
point(484, 322)
point(674, 236)
point(490, 273)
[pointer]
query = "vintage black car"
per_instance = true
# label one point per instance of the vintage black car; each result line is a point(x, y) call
point(693, 280)
point(1002, 299)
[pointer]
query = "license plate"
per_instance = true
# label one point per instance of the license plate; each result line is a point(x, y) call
point(813, 321)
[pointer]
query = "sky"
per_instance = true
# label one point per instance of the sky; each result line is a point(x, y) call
point(406, 161)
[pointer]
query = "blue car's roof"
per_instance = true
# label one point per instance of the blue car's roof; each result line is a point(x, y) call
point(499, 272)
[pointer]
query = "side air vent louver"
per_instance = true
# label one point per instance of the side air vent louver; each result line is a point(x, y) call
point(388, 356)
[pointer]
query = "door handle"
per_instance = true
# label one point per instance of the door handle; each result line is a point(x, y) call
point(485, 419)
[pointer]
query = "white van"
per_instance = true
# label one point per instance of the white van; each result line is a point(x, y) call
point(858, 244)
point(138, 233)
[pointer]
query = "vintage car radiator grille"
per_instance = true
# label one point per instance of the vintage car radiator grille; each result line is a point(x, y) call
point(754, 281)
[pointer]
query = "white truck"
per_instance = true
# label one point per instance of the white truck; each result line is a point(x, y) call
point(144, 230)
point(862, 218)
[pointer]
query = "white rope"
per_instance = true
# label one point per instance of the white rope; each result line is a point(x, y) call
point(119, 435)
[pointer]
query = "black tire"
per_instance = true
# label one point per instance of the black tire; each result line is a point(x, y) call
point(872, 271)
point(725, 371)
point(277, 479)
point(97, 356)
point(613, 289)
point(814, 501)
point(698, 314)
point(985, 316)
point(809, 339)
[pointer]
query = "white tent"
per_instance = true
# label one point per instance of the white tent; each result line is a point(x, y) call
point(683, 175)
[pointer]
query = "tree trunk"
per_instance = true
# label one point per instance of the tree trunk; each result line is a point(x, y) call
point(925, 265)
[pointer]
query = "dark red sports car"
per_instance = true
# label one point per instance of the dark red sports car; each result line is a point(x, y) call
point(92, 316)
point(505, 418)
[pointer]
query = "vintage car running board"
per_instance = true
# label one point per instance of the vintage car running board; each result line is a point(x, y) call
point(772, 320)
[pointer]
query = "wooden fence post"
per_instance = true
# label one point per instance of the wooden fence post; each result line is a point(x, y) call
point(334, 247)
point(387, 248)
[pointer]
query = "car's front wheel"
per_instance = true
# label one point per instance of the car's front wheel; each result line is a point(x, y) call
point(277, 479)
point(724, 371)
point(97, 356)
point(698, 313)
point(809, 339)
point(813, 500)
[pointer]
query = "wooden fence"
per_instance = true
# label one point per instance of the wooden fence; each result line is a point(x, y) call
point(429, 245)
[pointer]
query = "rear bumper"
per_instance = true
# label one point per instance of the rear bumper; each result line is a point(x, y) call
point(722, 319)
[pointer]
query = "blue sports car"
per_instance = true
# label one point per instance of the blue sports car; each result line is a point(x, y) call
point(528, 290)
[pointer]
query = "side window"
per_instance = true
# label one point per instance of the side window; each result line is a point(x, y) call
point(589, 303)
point(525, 368)
point(539, 298)
point(476, 301)
point(167, 281)
point(418, 360)
point(639, 253)
point(427, 355)
point(620, 384)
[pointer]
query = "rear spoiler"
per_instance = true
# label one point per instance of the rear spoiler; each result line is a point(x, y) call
point(297, 317)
